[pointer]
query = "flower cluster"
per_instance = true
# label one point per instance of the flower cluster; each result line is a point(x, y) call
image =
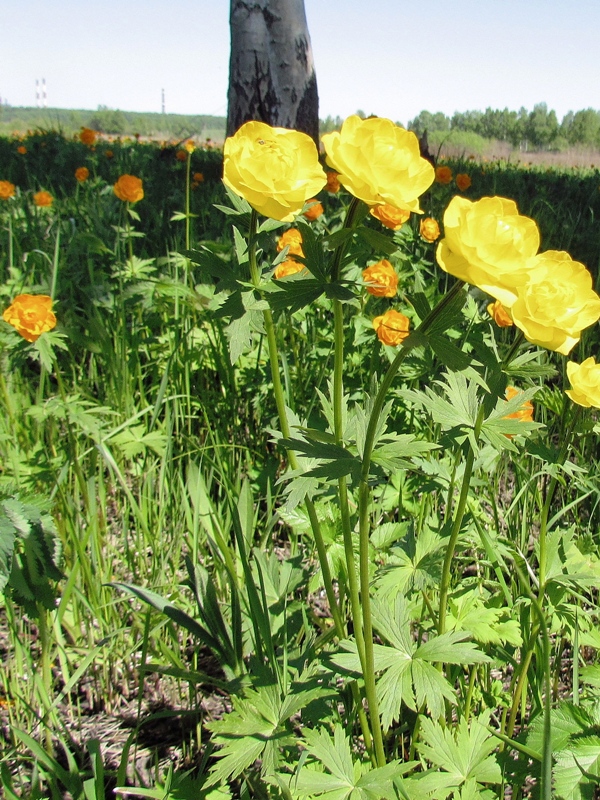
point(546, 295)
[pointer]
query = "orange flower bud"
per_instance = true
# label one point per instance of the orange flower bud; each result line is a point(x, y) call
point(31, 315)
point(393, 218)
point(109, 154)
point(21, 149)
point(198, 177)
point(43, 199)
point(443, 174)
point(383, 279)
point(315, 210)
point(463, 181)
point(87, 136)
point(292, 239)
point(392, 327)
point(288, 267)
point(181, 155)
point(500, 315)
point(129, 189)
point(523, 414)
point(7, 190)
point(82, 174)
point(429, 229)
point(332, 185)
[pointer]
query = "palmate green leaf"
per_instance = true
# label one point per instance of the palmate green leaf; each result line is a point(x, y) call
point(295, 292)
point(415, 564)
point(465, 752)
point(577, 769)
point(395, 451)
point(239, 331)
point(460, 408)
point(566, 721)
point(312, 248)
point(449, 354)
point(213, 266)
point(258, 727)
point(346, 778)
point(409, 673)
point(7, 545)
point(338, 460)
point(381, 243)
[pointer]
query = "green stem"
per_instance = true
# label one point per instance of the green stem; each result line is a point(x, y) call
point(285, 430)
point(291, 455)
point(458, 518)
point(543, 536)
point(187, 201)
point(364, 498)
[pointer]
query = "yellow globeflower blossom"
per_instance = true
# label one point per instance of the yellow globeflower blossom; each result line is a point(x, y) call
point(585, 382)
point(292, 239)
point(556, 303)
point(381, 279)
point(7, 190)
point(129, 188)
point(31, 315)
point(392, 327)
point(275, 169)
point(392, 218)
point(489, 244)
point(379, 162)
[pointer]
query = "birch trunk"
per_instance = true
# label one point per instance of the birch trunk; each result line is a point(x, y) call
point(271, 72)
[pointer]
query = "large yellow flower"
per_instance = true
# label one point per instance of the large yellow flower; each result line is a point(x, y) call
point(556, 303)
point(379, 162)
point(275, 169)
point(585, 382)
point(31, 315)
point(489, 244)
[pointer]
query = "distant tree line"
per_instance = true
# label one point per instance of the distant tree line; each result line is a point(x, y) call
point(112, 122)
point(538, 129)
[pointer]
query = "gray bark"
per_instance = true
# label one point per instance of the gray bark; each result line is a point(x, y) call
point(271, 72)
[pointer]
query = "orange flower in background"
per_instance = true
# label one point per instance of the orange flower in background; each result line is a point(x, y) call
point(198, 177)
point(500, 315)
point(87, 136)
point(288, 267)
point(82, 174)
point(463, 181)
point(129, 189)
point(181, 155)
point(21, 149)
point(7, 190)
point(383, 279)
point(43, 199)
point(332, 185)
point(31, 315)
point(429, 229)
point(190, 146)
point(393, 218)
point(292, 239)
point(443, 174)
point(391, 328)
point(315, 210)
point(524, 412)
point(109, 154)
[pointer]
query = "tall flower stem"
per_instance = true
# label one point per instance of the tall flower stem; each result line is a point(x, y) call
point(293, 461)
point(285, 430)
point(364, 497)
point(458, 518)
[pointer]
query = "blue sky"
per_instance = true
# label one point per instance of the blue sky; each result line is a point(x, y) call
point(387, 57)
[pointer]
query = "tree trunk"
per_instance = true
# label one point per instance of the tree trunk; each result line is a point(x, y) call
point(271, 72)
